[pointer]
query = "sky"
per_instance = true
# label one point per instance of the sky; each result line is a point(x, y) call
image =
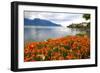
point(64, 19)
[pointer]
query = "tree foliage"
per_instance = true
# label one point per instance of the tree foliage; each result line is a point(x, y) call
point(86, 16)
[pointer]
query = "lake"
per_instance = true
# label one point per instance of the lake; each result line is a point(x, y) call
point(41, 33)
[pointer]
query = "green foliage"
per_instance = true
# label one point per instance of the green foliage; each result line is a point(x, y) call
point(55, 49)
point(37, 58)
point(86, 16)
point(67, 47)
point(64, 54)
point(49, 53)
point(88, 25)
point(81, 34)
point(40, 46)
point(47, 57)
point(79, 47)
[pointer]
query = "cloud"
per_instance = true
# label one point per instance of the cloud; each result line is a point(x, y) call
point(60, 18)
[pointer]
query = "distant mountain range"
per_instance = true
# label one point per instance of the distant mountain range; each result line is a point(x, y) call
point(39, 22)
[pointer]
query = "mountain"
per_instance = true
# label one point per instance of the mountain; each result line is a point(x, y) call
point(39, 22)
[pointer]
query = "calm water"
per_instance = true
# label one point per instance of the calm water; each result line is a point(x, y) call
point(33, 33)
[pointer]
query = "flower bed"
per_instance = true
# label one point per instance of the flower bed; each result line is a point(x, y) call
point(65, 48)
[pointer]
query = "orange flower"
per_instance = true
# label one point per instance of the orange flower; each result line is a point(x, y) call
point(65, 48)
point(74, 45)
point(70, 56)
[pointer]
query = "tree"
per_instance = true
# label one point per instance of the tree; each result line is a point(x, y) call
point(86, 16)
point(88, 25)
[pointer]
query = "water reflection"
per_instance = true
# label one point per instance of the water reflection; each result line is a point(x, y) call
point(44, 33)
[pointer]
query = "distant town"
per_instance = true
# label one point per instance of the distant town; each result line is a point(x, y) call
point(79, 25)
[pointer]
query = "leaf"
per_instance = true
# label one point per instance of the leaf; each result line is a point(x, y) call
point(46, 57)
point(37, 59)
point(40, 46)
point(55, 49)
point(79, 47)
point(67, 47)
point(71, 42)
point(27, 55)
point(64, 54)
point(49, 53)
